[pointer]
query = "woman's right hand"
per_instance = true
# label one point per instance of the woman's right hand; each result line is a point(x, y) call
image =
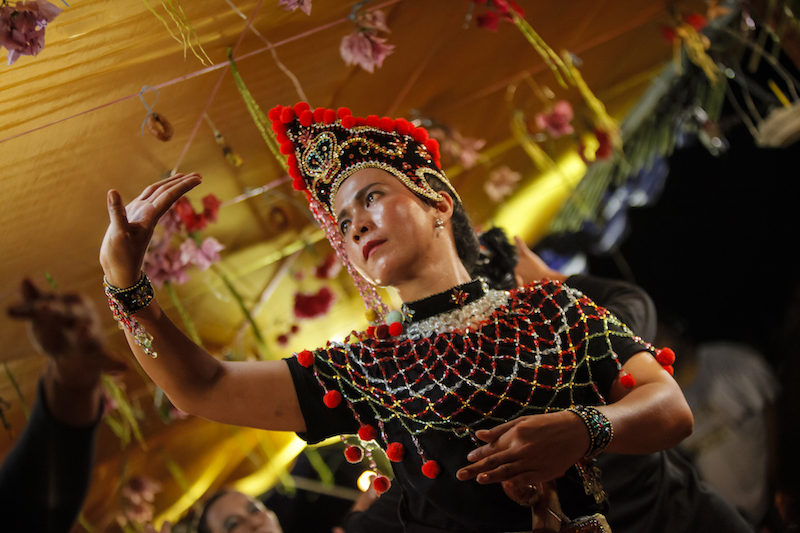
point(132, 226)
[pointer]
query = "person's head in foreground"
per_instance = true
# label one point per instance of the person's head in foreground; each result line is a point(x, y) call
point(231, 511)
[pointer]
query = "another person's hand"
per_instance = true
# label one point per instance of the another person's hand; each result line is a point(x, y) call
point(527, 450)
point(530, 267)
point(131, 226)
point(65, 327)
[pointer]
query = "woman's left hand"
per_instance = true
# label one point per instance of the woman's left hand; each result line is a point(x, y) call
point(527, 450)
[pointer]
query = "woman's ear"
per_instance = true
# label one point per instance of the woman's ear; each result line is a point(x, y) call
point(445, 207)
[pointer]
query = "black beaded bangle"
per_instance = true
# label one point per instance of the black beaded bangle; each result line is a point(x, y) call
point(133, 298)
point(601, 432)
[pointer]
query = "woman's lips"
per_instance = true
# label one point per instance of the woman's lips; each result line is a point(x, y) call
point(370, 247)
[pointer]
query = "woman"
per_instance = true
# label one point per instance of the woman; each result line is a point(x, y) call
point(230, 511)
point(434, 382)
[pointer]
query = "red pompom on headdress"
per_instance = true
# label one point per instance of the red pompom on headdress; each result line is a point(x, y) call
point(326, 146)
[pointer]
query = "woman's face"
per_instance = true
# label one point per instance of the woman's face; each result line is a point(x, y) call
point(235, 512)
point(386, 228)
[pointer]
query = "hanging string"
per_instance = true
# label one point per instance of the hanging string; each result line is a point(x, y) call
point(147, 106)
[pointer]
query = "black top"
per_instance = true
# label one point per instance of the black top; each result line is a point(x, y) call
point(653, 493)
point(45, 477)
point(530, 325)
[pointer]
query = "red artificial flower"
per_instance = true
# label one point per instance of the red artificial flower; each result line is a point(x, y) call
point(353, 454)
point(329, 268)
point(395, 452)
point(696, 21)
point(211, 207)
point(313, 305)
point(395, 329)
point(558, 121)
point(382, 332)
point(192, 221)
point(668, 33)
point(488, 20)
point(605, 150)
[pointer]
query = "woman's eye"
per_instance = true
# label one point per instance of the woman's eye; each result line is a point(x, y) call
point(343, 226)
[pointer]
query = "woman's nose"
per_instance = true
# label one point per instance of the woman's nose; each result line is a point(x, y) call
point(358, 234)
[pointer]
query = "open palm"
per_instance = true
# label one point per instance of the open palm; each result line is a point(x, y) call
point(131, 226)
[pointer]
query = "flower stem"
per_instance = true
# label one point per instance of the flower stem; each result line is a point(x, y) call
point(187, 320)
point(246, 312)
point(22, 402)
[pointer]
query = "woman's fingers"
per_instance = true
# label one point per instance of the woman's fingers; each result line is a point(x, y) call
point(169, 193)
point(116, 211)
point(491, 435)
point(150, 189)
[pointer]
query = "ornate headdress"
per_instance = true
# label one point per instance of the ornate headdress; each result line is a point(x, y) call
point(326, 146)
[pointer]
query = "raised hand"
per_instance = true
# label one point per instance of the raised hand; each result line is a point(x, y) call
point(527, 450)
point(131, 227)
point(530, 266)
point(66, 328)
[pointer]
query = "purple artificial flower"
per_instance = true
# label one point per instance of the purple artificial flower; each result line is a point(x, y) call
point(291, 5)
point(163, 263)
point(22, 27)
point(502, 182)
point(202, 256)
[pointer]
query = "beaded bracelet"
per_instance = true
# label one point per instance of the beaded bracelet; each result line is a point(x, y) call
point(124, 302)
point(600, 429)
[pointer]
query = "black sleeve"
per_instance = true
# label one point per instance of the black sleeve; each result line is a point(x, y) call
point(321, 422)
point(627, 301)
point(382, 516)
point(45, 477)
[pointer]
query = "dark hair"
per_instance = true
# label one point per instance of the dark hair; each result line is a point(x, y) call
point(498, 259)
point(467, 245)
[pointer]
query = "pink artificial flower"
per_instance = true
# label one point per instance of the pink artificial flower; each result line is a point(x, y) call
point(502, 182)
point(313, 305)
point(202, 256)
point(22, 27)
point(163, 263)
point(466, 149)
point(291, 5)
point(138, 493)
point(557, 122)
point(365, 49)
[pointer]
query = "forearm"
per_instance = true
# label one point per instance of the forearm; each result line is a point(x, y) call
point(653, 416)
point(183, 370)
point(76, 406)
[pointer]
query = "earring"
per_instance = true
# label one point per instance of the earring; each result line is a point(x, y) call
point(439, 223)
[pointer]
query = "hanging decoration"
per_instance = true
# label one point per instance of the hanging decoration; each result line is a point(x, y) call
point(156, 124)
point(292, 5)
point(22, 27)
point(364, 47)
point(684, 33)
point(186, 35)
point(461, 150)
point(231, 157)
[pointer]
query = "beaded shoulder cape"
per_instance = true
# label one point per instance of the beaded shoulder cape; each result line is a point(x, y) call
point(471, 358)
